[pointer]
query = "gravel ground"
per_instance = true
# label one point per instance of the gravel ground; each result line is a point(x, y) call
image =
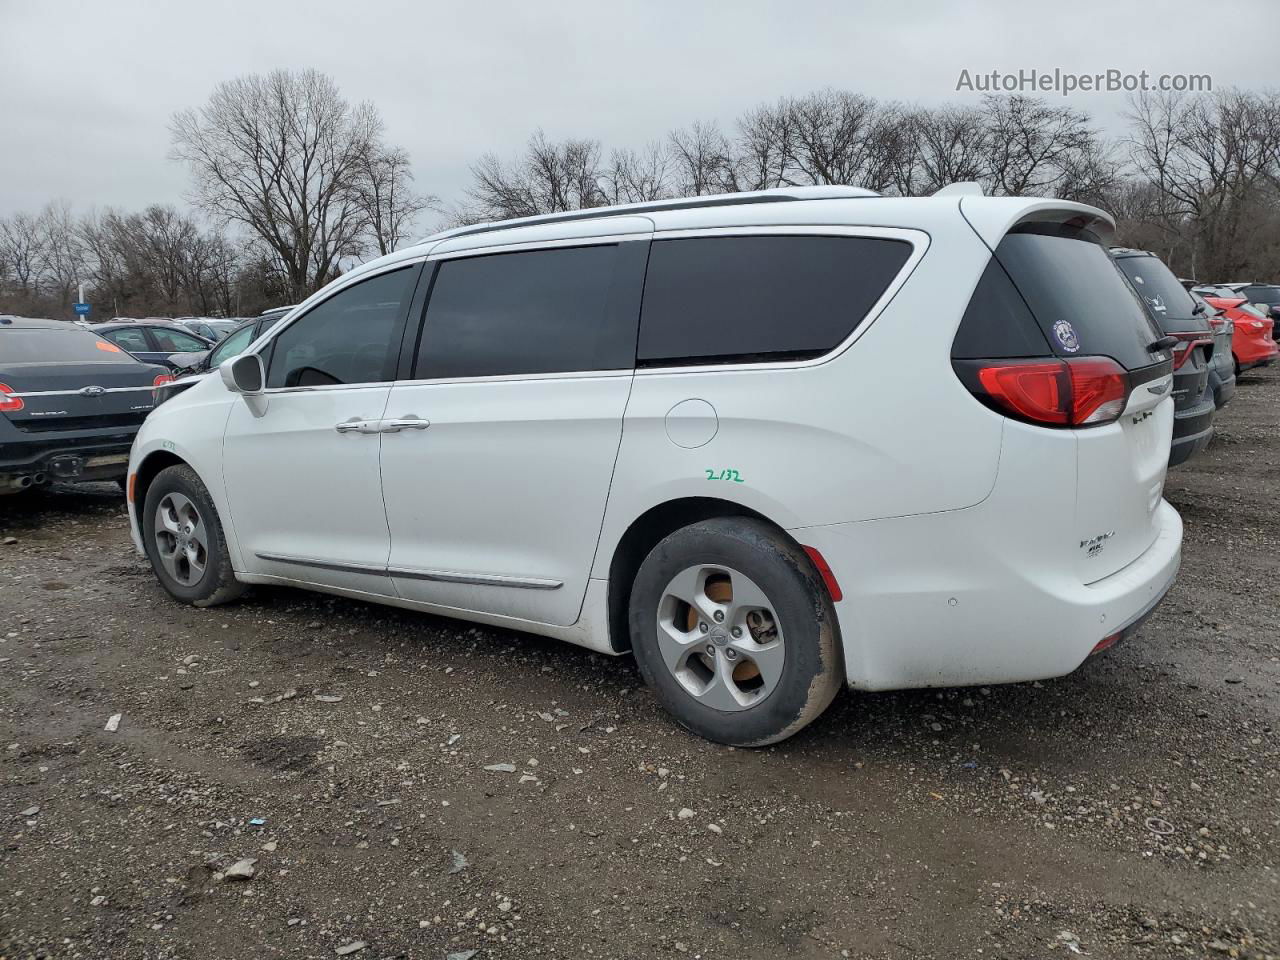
point(399, 785)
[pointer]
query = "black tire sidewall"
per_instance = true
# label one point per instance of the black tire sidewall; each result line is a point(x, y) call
point(799, 598)
point(183, 480)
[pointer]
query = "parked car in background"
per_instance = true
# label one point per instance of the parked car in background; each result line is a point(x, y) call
point(640, 428)
point(70, 403)
point(1222, 371)
point(211, 329)
point(187, 366)
point(1265, 296)
point(1253, 333)
point(153, 341)
point(1179, 317)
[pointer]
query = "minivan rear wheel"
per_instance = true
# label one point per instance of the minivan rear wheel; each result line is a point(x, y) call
point(735, 632)
point(184, 539)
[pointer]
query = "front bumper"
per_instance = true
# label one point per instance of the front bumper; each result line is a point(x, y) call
point(947, 600)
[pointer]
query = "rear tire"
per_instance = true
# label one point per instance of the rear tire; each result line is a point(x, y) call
point(753, 654)
point(184, 540)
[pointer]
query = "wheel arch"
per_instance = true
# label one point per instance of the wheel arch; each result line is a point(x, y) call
point(147, 471)
point(643, 534)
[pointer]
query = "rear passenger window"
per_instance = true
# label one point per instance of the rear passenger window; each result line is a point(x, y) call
point(132, 339)
point(536, 311)
point(718, 299)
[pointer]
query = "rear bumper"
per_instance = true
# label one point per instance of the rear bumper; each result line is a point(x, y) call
point(1192, 431)
point(946, 600)
point(71, 458)
point(1224, 387)
point(1260, 356)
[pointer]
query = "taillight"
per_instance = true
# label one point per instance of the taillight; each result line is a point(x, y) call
point(1067, 392)
point(161, 380)
point(1186, 346)
point(9, 401)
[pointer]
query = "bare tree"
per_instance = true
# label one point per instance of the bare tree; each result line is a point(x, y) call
point(1210, 161)
point(22, 250)
point(952, 143)
point(283, 155)
point(1032, 144)
point(637, 176)
point(385, 189)
point(703, 161)
point(550, 177)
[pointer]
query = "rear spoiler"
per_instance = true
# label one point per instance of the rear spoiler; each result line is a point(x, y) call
point(993, 217)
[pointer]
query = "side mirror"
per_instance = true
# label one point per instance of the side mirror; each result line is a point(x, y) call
point(243, 374)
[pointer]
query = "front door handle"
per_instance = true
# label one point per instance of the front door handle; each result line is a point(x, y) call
point(405, 423)
point(356, 425)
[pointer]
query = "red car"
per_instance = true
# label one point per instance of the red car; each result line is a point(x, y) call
point(1251, 343)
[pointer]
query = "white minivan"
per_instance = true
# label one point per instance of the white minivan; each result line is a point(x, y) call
point(770, 443)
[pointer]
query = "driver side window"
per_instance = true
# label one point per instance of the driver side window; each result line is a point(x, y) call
point(347, 338)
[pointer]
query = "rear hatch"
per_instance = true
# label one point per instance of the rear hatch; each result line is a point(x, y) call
point(60, 380)
point(1053, 296)
point(1174, 310)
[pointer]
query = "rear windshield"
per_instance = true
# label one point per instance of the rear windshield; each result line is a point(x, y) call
point(1262, 294)
point(1164, 296)
point(45, 345)
point(1055, 287)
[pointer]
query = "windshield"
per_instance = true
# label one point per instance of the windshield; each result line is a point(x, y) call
point(45, 345)
point(1262, 294)
point(231, 346)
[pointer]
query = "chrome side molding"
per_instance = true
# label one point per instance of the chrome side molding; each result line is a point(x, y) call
point(443, 576)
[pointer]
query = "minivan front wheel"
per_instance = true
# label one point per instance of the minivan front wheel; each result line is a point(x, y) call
point(184, 539)
point(735, 632)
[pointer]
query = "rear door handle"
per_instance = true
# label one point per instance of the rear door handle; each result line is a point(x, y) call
point(356, 425)
point(404, 423)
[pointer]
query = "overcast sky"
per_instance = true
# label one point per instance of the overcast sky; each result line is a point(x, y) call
point(87, 88)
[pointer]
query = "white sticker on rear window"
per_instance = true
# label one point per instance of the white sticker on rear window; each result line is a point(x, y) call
point(1066, 335)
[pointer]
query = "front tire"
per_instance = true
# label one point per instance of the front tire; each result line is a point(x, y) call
point(184, 539)
point(735, 632)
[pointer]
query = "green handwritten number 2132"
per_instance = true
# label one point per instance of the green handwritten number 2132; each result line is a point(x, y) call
point(724, 475)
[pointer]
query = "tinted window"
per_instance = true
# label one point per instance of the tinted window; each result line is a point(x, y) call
point(72, 345)
point(345, 339)
point(175, 341)
point(132, 339)
point(1160, 290)
point(1261, 294)
point(997, 322)
point(231, 346)
point(1078, 296)
point(772, 297)
point(539, 311)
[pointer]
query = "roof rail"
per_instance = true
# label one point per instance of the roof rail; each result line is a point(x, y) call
point(776, 195)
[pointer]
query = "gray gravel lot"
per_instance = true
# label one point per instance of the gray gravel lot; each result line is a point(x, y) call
point(297, 775)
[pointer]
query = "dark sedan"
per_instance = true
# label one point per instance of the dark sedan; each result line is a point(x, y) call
point(152, 341)
point(70, 403)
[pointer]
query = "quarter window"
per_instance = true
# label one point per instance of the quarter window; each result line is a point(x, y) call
point(722, 299)
point(536, 311)
point(347, 338)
